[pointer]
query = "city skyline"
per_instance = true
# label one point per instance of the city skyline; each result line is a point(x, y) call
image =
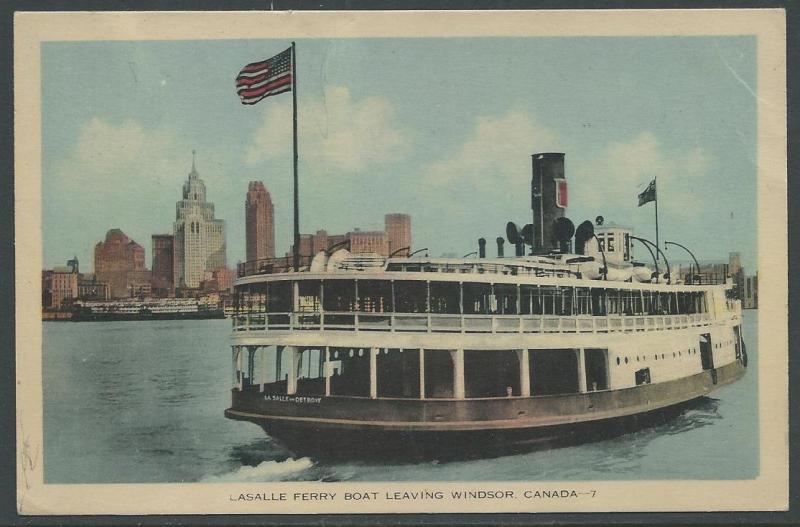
point(459, 166)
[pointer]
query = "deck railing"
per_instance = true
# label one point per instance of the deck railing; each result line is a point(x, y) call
point(443, 323)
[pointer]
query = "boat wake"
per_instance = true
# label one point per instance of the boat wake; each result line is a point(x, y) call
point(264, 471)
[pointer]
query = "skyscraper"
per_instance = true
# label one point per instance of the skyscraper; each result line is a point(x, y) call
point(199, 238)
point(398, 230)
point(259, 222)
point(163, 265)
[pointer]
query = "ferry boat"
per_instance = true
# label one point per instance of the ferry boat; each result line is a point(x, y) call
point(353, 354)
point(148, 309)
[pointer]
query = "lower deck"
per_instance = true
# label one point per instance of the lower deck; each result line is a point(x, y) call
point(279, 412)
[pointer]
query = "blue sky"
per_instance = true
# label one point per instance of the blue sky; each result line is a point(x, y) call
point(442, 129)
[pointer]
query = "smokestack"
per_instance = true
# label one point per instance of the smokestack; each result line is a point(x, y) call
point(481, 247)
point(548, 199)
point(500, 242)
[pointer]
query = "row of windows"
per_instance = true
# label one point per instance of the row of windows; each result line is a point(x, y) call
point(664, 356)
point(407, 296)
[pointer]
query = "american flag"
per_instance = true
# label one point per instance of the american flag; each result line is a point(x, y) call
point(268, 77)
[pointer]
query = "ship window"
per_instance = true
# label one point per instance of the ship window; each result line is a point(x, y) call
point(618, 361)
point(626, 254)
point(411, 296)
point(553, 371)
point(598, 301)
point(489, 373)
point(642, 376)
point(548, 299)
point(610, 244)
point(601, 242)
point(582, 301)
point(279, 297)
point(438, 374)
point(626, 360)
point(340, 295)
point(505, 296)
point(477, 298)
point(308, 292)
point(445, 297)
point(530, 303)
point(374, 296)
point(398, 374)
point(595, 361)
point(564, 301)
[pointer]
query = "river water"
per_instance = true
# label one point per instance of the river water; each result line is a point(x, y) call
point(143, 402)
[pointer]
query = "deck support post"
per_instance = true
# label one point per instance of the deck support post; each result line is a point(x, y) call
point(234, 373)
point(524, 374)
point(262, 359)
point(373, 373)
point(294, 360)
point(581, 371)
point(327, 371)
point(278, 356)
point(239, 372)
point(458, 373)
point(421, 373)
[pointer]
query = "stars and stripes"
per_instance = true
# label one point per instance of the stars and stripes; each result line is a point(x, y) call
point(649, 194)
point(263, 79)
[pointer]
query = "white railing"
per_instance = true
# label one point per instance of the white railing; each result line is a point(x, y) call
point(444, 323)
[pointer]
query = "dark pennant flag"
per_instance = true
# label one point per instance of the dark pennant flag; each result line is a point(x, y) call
point(262, 79)
point(649, 194)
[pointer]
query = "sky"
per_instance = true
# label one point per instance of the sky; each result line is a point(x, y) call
point(441, 129)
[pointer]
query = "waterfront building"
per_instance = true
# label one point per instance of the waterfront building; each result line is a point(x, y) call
point(119, 261)
point(398, 231)
point(259, 222)
point(397, 235)
point(59, 287)
point(163, 265)
point(750, 300)
point(90, 288)
point(199, 238)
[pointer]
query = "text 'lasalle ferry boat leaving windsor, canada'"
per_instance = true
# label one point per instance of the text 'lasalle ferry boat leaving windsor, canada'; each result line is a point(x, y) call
point(352, 354)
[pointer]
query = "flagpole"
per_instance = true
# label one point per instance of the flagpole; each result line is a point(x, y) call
point(655, 188)
point(296, 252)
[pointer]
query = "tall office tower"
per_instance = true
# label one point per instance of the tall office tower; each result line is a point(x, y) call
point(259, 222)
point(163, 265)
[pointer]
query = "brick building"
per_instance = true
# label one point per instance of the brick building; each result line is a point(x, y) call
point(259, 222)
point(119, 261)
point(163, 267)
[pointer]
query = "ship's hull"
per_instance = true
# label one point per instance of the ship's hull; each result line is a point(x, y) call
point(353, 428)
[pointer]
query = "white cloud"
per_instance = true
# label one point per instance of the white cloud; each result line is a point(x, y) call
point(121, 175)
point(615, 177)
point(495, 155)
point(337, 132)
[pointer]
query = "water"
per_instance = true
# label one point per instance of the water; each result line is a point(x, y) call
point(143, 402)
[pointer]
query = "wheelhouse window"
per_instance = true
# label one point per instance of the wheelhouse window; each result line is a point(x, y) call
point(445, 297)
point(340, 295)
point(411, 296)
point(374, 296)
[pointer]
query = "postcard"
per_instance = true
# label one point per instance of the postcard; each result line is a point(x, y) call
point(401, 262)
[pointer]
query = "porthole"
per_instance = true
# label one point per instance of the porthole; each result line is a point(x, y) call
point(626, 360)
point(662, 355)
point(618, 361)
point(637, 358)
point(335, 354)
point(352, 353)
point(679, 354)
point(655, 356)
point(361, 352)
point(673, 354)
point(385, 351)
